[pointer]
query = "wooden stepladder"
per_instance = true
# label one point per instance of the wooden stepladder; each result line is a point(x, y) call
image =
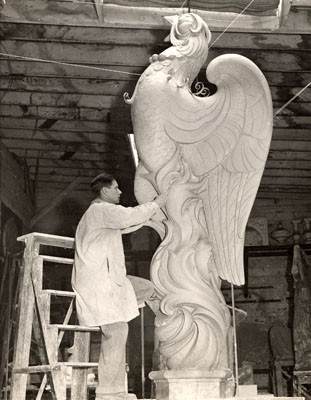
point(34, 320)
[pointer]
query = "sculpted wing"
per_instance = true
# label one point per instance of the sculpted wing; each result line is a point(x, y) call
point(227, 137)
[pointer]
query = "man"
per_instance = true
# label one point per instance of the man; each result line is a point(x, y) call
point(104, 295)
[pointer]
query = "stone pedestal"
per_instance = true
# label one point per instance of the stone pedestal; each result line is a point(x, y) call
point(191, 384)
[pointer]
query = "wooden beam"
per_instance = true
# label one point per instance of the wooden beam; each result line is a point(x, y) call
point(65, 137)
point(284, 172)
point(30, 97)
point(289, 154)
point(283, 165)
point(127, 15)
point(287, 181)
point(66, 113)
point(262, 7)
point(113, 127)
point(112, 55)
point(54, 201)
point(292, 122)
point(46, 171)
point(48, 181)
point(50, 99)
point(296, 190)
point(286, 146)
point(291, 134)
point(139, 36)
point(79, 155)
point(62, 146)
point(121, 163)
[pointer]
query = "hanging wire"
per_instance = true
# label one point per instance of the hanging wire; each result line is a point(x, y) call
point(232, 22)
point(291, 99)
point(68, 64)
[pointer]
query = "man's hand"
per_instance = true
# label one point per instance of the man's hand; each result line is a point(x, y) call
point(161, 199)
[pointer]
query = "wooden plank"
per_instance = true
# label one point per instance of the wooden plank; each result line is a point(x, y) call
point(278, 213)
point(38, 68)
point(62, 293)
point(81, 353)
point(85, 34)
point(99, 101)
point(46, 173)
point(288, 173)
point(76, 80)
point(282, 170)
point(139, 55)
point(142, 36)
point(270, 192)
point(77, 328)
point(293, 181)
point(60, 183)
point(288, 79)
point(291, 134)
point(64, 136)
point(84, 13)
point(285, 93)
point(291, 122)
point(70, 147)
point(116, 127)
point(265, 201)
point(25, 319)
point(81, 53)
point(284, 188)
point(49, 240)
point(56, 260)
point(288, 165)
point(77, 156)
point(85, 165)
point(66, 113)
point(288, 155)
point(293, 109)
point(86, 177)
point(283, 145)
point(34, 369)
point(68, 85)
point(263, 6)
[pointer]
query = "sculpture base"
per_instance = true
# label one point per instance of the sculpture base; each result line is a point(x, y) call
point(192, 384)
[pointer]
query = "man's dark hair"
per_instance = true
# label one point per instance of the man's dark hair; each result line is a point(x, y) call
point(100, 181)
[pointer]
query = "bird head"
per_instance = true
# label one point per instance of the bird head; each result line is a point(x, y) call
point(190, 37)
point(186, 27)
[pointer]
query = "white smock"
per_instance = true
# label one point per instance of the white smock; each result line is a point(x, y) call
point(104, 295)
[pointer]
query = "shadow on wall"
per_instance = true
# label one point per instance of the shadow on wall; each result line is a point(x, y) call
point(63, 218)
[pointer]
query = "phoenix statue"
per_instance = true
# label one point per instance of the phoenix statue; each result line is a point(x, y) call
point(208, 154)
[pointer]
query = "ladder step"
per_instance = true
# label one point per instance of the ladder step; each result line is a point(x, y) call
point(64, 293)
point(33, 369)
point(77, 328)
point(78, 364)
point(61, 260)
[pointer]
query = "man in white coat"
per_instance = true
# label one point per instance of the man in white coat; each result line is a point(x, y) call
point(104, 295)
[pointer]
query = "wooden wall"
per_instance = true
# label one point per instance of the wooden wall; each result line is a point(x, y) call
point(69, 121)
point(16, 191)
